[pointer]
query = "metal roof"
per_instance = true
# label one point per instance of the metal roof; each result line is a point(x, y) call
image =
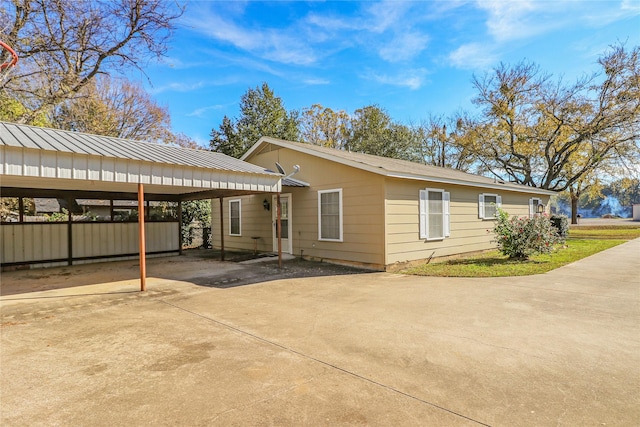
point(38, 138)
point(396, 168)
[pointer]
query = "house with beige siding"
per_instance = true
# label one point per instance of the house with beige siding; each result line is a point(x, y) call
point(370, 211)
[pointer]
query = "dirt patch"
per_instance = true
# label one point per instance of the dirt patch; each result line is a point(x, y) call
point(269, 270)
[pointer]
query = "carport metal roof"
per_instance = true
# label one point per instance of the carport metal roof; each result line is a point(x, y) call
point(50, 160)
point(42, 158)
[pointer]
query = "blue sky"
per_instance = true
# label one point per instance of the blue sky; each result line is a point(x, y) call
point(411, 58)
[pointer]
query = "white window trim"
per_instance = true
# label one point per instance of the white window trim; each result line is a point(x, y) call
point(320, 193)
point(424, 214)
point(533, 206)
point(481, 211)
point(239, 201)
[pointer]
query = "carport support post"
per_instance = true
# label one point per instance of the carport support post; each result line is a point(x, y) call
point(69, 232)
point(180, 227)
point(279, 229)
point(143, 257)
point(221, 231)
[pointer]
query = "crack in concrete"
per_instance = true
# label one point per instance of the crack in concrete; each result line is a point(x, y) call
point(325, 363)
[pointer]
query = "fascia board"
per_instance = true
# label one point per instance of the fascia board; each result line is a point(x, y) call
point(496, 186)
point(384, 172)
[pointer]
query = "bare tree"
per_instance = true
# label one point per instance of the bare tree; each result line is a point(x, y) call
point(64, 44)
point(114, 107)
point(442, 142)
point(551, 134)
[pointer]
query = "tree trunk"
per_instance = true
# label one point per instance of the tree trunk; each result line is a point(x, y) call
point(574, 205)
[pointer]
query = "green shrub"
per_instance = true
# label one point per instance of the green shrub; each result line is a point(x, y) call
point(561, 224)
point(521, 237)
point(58, 216)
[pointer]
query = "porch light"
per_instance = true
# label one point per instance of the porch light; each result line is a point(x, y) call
point(540, 208)
point(266, 205)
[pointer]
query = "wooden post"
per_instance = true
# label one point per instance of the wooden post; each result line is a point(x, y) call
point(143, 255)
point(221, 231)
point(69, 232)
point(20, 210)
point(279, 229)
point(180, 227)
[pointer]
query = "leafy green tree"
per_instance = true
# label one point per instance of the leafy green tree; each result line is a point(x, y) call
point(551, 134)
point(626, 190)
point(12, 110)
point(194, 213)
point(226, 140)
point(374, 132)
point(262, 113)
point(324, 126)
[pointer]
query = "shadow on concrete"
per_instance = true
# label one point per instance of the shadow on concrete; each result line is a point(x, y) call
point(44, 297)
point(200, 267)
point(268, 271)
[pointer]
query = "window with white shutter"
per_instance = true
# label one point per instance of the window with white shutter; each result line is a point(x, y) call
point(533, 206)
point(434, 214)
point(488, 205)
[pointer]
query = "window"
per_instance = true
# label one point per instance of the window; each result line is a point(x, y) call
point(533, 206)
point(488, 204)
point(234, 218)
point(434, 214)
point(330, 215)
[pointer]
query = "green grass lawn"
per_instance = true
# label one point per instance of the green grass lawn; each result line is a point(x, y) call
point(581, 244)
point(625, 233)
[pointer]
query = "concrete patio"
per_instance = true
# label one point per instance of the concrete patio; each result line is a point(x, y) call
point(561, 348)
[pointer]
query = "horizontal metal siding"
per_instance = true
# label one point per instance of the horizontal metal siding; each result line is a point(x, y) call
point(63, 165)
point(54, 140)
point(33, 242)
point(108, 239)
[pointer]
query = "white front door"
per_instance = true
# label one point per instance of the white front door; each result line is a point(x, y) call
point(285, 219)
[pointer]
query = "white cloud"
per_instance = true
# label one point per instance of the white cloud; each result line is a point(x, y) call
point(386, 15)
point(405, 46)
point(601, 16)
point(510, 20)
point(473, 56)
point(630, 5)
point(200, 112)
point(273, 44)
point(316, 81)
point(513, 20)
point(412, 79)
point(177, 87)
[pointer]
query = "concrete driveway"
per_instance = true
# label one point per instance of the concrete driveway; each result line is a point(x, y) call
point(561, 348)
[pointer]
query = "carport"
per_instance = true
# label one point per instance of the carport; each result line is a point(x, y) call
point(132, 180)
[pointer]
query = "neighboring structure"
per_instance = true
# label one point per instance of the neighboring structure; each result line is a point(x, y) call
point(69, 197)
point(367, 210)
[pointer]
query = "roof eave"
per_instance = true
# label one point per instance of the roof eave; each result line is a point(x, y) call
point(494, 186)
point(391, 174)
